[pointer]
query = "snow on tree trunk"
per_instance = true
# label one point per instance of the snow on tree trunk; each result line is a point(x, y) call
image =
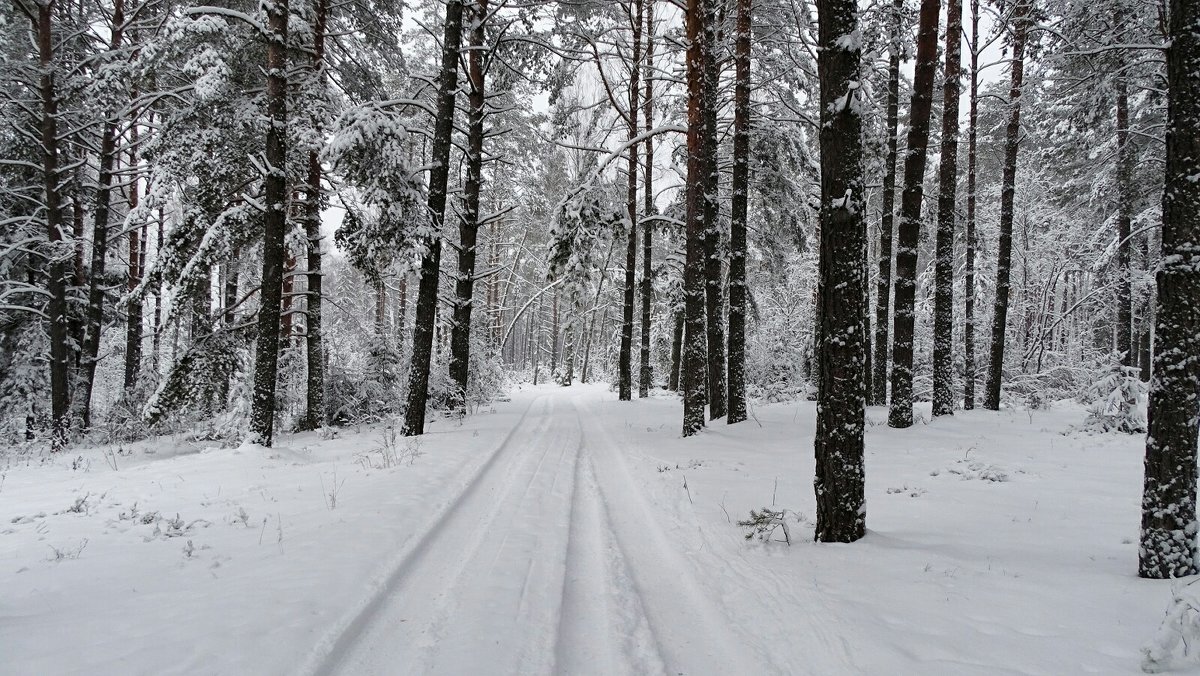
point(625, 359)
point(943, 313)
point(884, 286)
point(909, 230)
point(969, 272)
point(1124, 223)
point(314, 400)
point(1168, 537)
point(1020, 25)
point(694, 361)
point(468, 224)
point(842, 294)
point(714, 281)
point(266, 363)
point(737, 222)
point(427, 290)
point(646, 374)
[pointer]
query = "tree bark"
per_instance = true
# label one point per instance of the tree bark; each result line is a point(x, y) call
point(1168, 533)
point(133, 324)
point(1007, 193)
point(427, 290)
point(713, 278)
point(468, 225)
point(943, 301)
point(266, 362)
point(625, 359)
point(969, 272)
point(647, 375)
point(909, 230)
point(1124, 224)
point(737, 216)
point(314, 353)
point(886, 225)
point(842, 286)
point(694, 360)
point(676, 351)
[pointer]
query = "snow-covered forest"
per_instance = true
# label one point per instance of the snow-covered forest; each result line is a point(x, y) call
point(599, 336)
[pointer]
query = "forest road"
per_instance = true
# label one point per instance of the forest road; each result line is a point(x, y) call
point(548, 562)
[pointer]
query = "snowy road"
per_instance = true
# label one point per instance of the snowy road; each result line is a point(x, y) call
point(547, 562)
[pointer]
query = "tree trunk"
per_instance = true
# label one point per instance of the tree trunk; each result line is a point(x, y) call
point(56, 268)
point(625, 359)
point(909, 231)
point(676, 351)
point(468, 225)
point(694, 361)
point(714, 281)
point(1007, 194)
point(841, 397)
point(266, 362)
point(314, 353)
point(1124, 224)
point(1168, 537)
point(943, 302)
point(969, 273)
point(646, 374)
point(427, 291)
point(884, 284)
point(737, 217)
point(133, 325)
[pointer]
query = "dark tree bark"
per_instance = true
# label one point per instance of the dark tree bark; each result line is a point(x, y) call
point(468, 225)
point(842, 290)
point(647, 375)
point(625, 358)
point(1168, 537)
point(676, 352)
point(737, 221)
point(969, 273)
point(56, 268)
point(884, 286)
point(943, 301)
point(1007, 193)
point(714, 281)
point(909, 230)
point(694, 361)
point(1124, 224)
point(314, 353)
point(266, 361)
point(133, 324)
point(427, 290)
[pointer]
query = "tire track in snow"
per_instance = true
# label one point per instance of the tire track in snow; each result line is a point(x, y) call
point(479, 591)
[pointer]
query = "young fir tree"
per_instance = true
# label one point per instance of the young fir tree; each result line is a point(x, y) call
point(842, 294)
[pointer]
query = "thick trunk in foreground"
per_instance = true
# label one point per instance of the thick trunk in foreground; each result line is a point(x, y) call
point(427, 290)
point(884, 285)
point(713, 279)
point(909, 230)
point(266, 361)
point(625, 359)
point(314, 353)
point(468, 225)
point(943, 301)
point(694, 361)
point(1168, 535)
point(1007, 194)
point(737, 220)
point(969, 272)
point(842, 291)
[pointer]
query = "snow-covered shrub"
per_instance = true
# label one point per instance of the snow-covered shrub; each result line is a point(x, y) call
point(763, 523)
point(1173, 646)
point(1116, 397)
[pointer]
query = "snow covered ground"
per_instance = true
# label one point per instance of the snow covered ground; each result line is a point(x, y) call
point(567, 532)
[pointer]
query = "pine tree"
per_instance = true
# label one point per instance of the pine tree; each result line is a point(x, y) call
point(694, 361)
point(969, 272)
point(737, 222)
point(943, 313)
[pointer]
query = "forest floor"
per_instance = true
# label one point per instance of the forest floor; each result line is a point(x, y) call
point(566, 532)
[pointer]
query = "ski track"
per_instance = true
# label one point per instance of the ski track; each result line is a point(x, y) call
point(547, 561)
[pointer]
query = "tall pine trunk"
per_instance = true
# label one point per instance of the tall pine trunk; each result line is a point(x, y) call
point(969, 272)
point(646, 374)
point(737, 216)
point(1124, 225)
point(314, 399)
point(468, 225)
point(909, 230)
point(427, 290)
point(694, 361)
point(625, 359)
point(133, 324)
point(1168, 537)
point(943, 301)
point(713, 279)
point(884, 285)
point(1007, 194)
point(842, 286)
point(266, 361)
